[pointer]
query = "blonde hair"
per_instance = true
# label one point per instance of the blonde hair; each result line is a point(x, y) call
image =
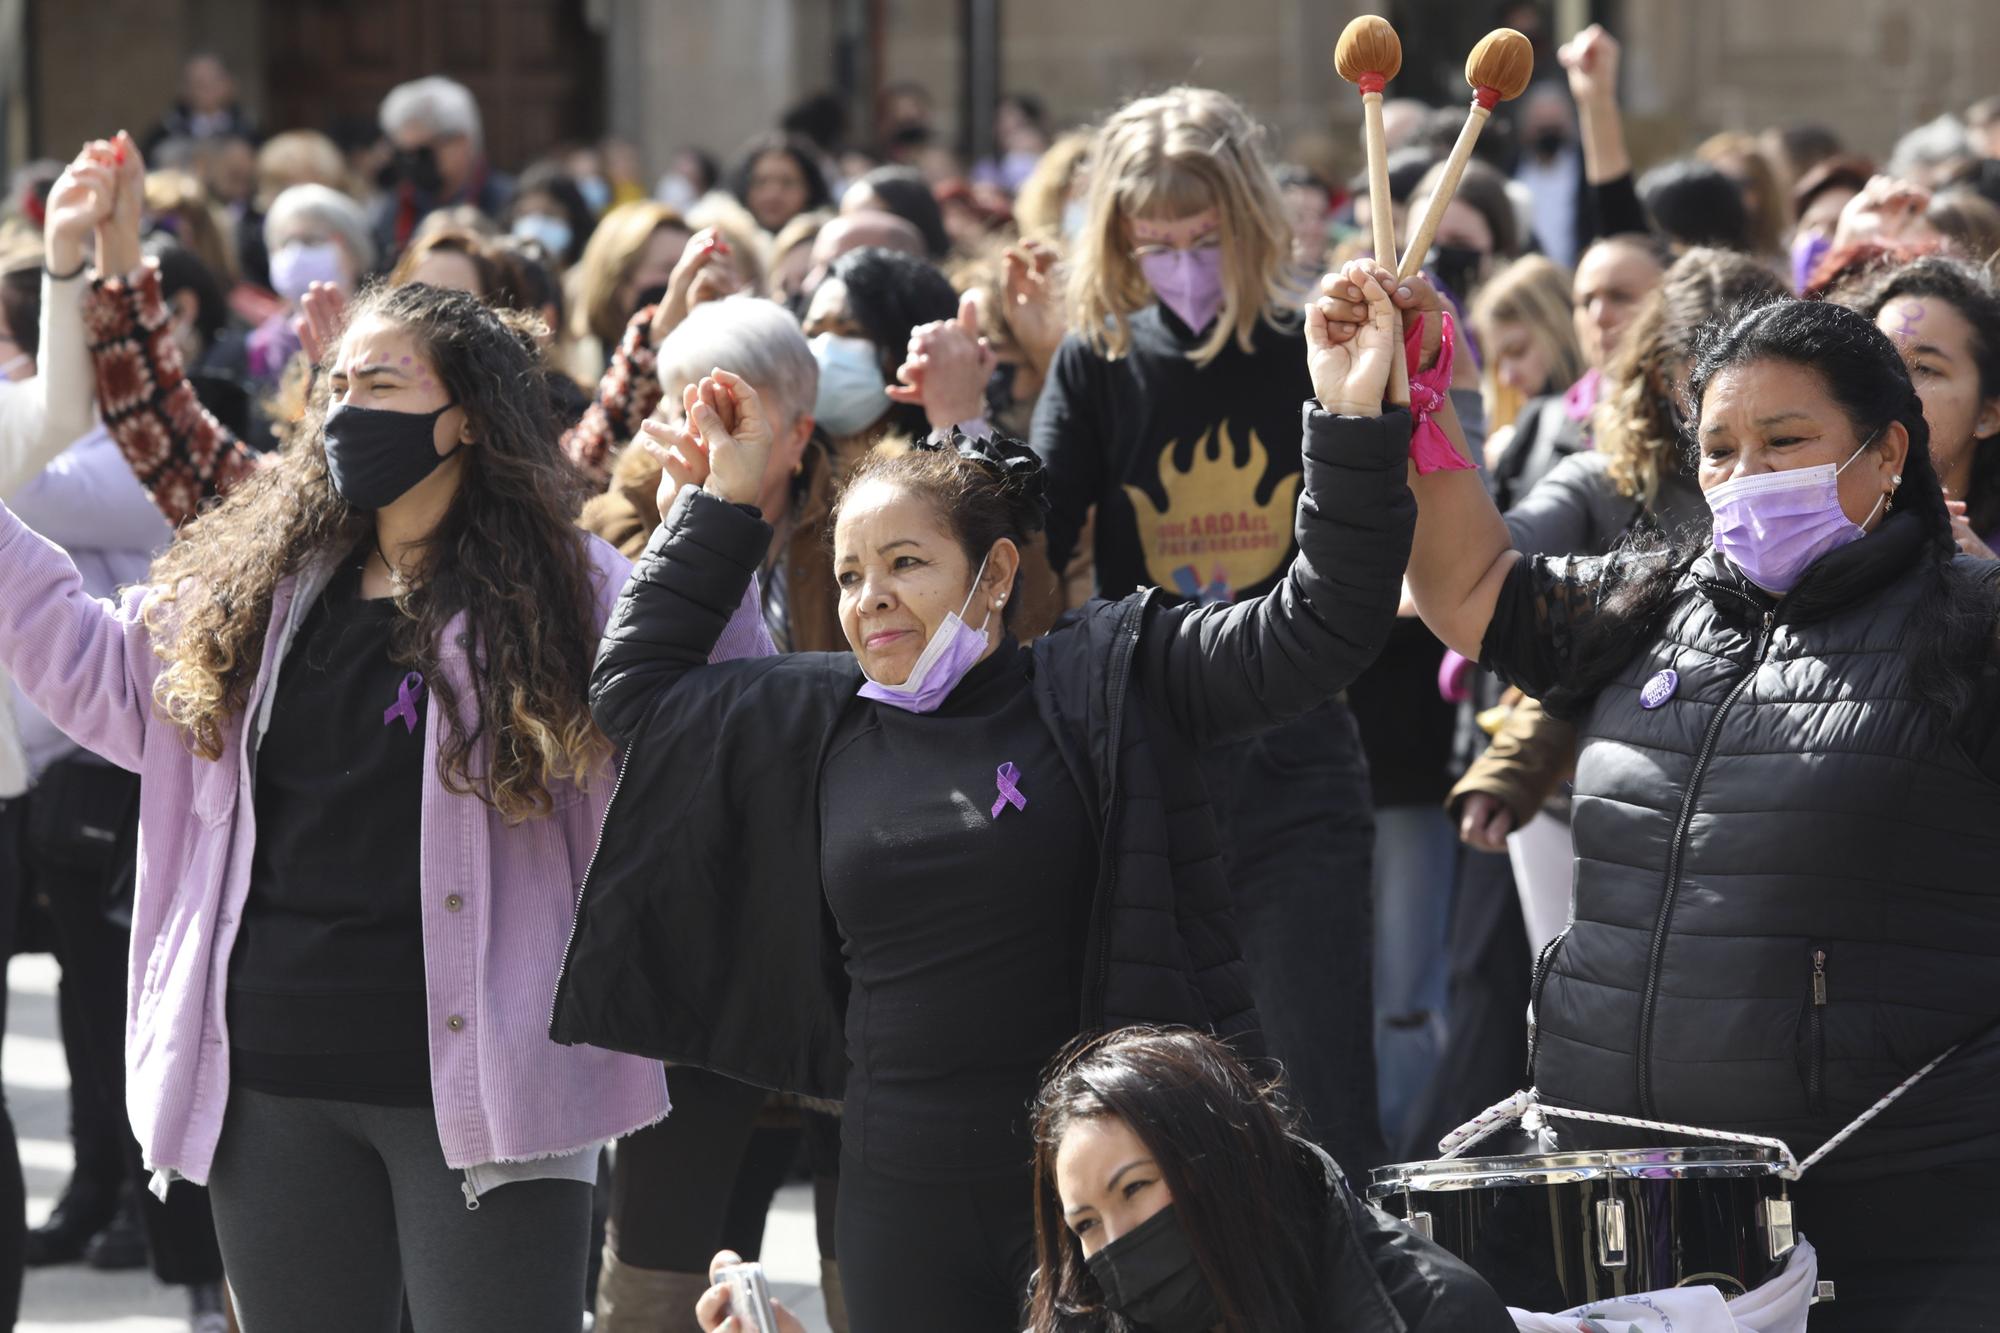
point(1170, 156)
point(199, 232)
point(1038, 207)
point(609, 259)
point(298, 157)
point(1533, 291)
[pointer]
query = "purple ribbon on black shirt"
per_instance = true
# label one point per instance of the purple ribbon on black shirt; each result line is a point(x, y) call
point(1007, 779)
point(405, 707)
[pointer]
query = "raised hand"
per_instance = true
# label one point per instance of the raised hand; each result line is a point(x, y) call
point(322, 312)
point(705, 271)
point(677, 449)
point(947, 367)
point(1031, 300)
point(730, 427)
point(118, 250)
point(1349, 359)
point(1591, 60)
point(82, 198)
point(1886, 209)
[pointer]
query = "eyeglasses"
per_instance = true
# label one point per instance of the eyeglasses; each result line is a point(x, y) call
point(1212, 241)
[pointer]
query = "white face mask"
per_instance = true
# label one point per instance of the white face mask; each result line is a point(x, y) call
point(852, 393)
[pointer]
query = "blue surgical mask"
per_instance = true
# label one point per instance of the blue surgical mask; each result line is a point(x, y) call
point(596, 192)
point(551, 233)
point(852, 392)
point(299, 264)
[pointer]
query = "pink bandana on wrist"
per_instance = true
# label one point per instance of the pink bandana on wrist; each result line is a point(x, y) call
point(1430, 449)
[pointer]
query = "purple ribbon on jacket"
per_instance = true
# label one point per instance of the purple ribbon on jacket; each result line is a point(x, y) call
point(1010, 794)
point(405, 706)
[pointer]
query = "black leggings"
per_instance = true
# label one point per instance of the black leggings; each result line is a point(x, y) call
point(918, 1257)
point(13, 1194)
point(702, 1179)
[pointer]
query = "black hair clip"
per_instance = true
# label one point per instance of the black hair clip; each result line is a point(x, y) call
point(1018, 467)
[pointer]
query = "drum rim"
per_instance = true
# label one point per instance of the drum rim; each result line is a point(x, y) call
point(1469, 1173)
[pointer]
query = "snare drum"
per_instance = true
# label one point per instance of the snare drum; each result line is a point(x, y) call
point(1553, 1231)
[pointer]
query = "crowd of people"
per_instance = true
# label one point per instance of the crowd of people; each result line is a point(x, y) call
point(544, 706)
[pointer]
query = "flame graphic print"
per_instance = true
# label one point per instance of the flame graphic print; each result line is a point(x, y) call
point(1215, 537)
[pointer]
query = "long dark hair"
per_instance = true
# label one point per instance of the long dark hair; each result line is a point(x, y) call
point(795, 146)
point(1952, 625)
point(1970, 291)
point(506, 553)
point(1248, 1192)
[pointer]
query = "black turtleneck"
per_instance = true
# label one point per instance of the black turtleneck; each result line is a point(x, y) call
point(962, 929)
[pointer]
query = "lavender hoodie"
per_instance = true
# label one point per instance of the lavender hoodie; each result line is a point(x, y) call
point(498, 899)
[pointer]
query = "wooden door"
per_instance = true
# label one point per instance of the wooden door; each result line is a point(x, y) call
point(534, 65)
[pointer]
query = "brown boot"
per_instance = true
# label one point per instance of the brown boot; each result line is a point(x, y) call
point(646, 1300)
point(836, 1303)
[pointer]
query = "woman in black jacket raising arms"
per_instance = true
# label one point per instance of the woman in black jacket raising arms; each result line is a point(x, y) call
point(907, 876)
point(1787, 805)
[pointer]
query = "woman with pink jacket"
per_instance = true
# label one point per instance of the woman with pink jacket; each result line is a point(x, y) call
point(355, 694)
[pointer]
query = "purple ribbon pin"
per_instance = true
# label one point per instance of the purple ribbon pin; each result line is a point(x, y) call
point(1660, 688)
point(405, 706)
point(1007, 778)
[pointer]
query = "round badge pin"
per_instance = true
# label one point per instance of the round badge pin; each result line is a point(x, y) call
point(1660, 688)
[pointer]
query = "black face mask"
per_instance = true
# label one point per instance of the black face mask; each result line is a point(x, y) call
point(1547, 143)
point(418, 166)
point(1458, 266)
point(647, 296)
point(1149, 1276)
point(375, 456)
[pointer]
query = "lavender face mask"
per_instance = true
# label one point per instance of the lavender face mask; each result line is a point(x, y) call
point(1188, 282)
point(1775, 524)
point(953, 650)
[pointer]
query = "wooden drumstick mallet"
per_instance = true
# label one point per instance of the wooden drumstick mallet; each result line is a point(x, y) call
point(1498, 69)
point(1368, 55)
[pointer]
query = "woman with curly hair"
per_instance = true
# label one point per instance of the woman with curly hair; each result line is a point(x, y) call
point(904, 876)
point(355, 695)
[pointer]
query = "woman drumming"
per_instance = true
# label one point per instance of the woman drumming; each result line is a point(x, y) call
point(1787, 805)
point(958, 849)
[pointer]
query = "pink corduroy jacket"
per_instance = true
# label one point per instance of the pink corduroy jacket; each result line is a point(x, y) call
point(498, 899)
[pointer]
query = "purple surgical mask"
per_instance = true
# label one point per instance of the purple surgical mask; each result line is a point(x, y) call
point(954, 648)
point(1808, 248)
point(297, 265)
point(1188, 282)
point(1773, 525)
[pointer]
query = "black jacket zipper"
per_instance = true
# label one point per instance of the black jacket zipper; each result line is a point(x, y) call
point(1816, 1036)
point(1099, 965)
point(576, 916)
point(1544, 962)
point(1656, 960)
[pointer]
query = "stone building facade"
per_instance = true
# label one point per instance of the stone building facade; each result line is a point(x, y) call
point(667, 72)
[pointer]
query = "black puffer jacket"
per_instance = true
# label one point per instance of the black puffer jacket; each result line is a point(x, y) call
point(1788, 875)
point(702, 934)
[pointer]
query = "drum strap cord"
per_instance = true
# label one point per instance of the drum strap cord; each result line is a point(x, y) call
point(1528, 1108)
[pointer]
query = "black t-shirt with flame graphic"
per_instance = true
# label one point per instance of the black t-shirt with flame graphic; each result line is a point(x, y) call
point(1194, 470)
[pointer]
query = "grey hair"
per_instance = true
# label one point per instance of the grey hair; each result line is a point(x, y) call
point(329, 210)
point(1933, 143)
point(444, 106)
point(748, 336)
